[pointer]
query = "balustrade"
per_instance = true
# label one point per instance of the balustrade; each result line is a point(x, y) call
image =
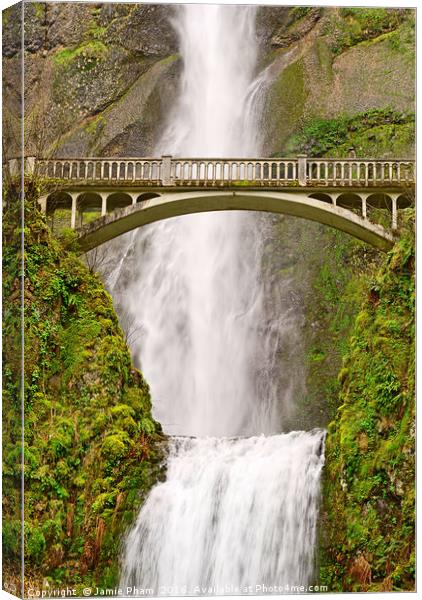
point(168, 171)
point(355, 172)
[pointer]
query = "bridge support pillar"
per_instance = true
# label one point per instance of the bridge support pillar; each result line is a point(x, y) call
point(74, 209)
point(301, 169)
point(364, 208)
point(103, 203)
point(394, 211)
point(166, 170)
point(334, 197)
point(43, 204)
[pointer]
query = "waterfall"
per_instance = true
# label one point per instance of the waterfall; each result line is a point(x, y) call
point(232, 517)
point(233, 511)
point(198, 278)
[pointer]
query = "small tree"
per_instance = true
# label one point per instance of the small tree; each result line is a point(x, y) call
point(96, 259)
point(131, 327)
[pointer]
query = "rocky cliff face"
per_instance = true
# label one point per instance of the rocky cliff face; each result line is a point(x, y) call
point(101, 77)
point(88, 66)
point(324, 63)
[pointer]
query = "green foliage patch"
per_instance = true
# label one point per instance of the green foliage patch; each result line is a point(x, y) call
point(367, 530)
point(92, 448)
point(338, 279)
point(371, 131)
point(89, 52)
point(299, 12)
point(355, 25)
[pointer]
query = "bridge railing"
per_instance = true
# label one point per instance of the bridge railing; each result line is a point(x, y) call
point(359, 172)
point(169, 171)
point(99, 169)
point(185, 171)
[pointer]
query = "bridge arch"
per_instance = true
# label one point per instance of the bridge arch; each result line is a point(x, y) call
point(59, 209)
point(118, 200)
point(147, 196)
point(349, 200)
point(171, 204)
point(89, 205)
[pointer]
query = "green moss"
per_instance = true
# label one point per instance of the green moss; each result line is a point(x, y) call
point(91, 445)
point(287, 98)
point(34, 544)
point(89, 51)
point(95, 125)
point(299, 12)
point(369, 475)
point(374, 20)
point(325, 57)
point(6, 16)
point(11, 537)
point(386, 141)
point(39, 8)
point(402, 40)
point(95, 31)
point(339, 269)
point(115, 447)
point(355, 25)
point(376, 132)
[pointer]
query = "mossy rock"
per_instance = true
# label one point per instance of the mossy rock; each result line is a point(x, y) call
point(368, 493)
point(89, 434)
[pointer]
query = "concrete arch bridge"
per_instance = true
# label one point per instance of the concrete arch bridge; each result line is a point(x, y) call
point(106, 197)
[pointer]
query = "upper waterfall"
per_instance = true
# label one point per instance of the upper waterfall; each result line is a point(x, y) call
point(196, 290)
point(211, 116)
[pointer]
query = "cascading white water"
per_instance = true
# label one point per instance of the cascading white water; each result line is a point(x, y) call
point(234, 516)
point(196, 290)
point(232, 511)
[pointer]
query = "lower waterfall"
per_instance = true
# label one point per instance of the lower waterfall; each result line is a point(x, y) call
point(234, 516)
point(237, 511)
